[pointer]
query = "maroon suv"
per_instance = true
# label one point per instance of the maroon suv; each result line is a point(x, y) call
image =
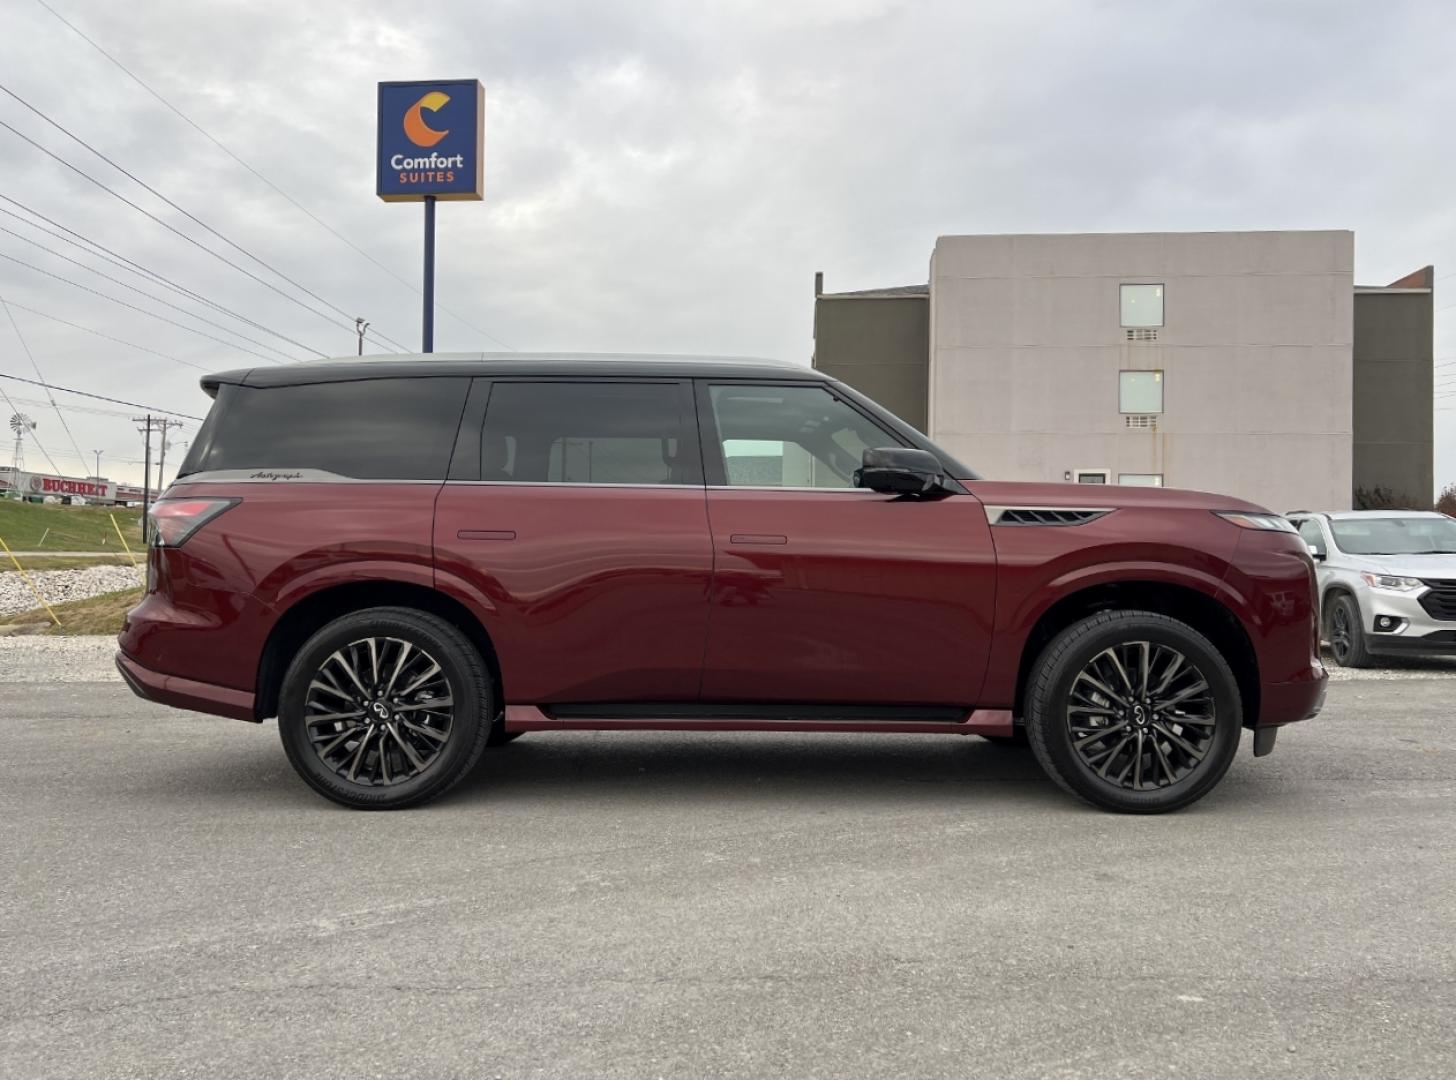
point(407, 560)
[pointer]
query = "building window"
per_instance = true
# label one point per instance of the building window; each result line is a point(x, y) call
point(1142, 305)
point(1140, 479)
point(1091, 476)
point(1140, 392)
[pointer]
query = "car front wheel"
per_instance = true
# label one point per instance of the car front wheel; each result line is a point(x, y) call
point(1346, 633)
point(1134, 712)
point(385, 708)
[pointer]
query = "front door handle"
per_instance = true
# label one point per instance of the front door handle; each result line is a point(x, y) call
point(486, 534)
point(758, 538)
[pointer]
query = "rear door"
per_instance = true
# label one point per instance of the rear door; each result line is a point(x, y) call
point(575, 517)
point(824, 592)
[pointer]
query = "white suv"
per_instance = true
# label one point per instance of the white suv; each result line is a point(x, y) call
point(1387, 581)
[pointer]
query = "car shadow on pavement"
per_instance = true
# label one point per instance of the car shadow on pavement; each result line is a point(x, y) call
point(753, 767)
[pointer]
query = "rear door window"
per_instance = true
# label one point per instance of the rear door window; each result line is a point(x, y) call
point(562, 432)
point(368, 429)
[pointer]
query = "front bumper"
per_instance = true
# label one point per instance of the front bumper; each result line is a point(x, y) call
point(183, 693)
point(1416, 630)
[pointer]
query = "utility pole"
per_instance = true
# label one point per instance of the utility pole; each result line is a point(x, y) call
point(166, 424)
point(360, 326)
point(98, 463)
point(146, 470)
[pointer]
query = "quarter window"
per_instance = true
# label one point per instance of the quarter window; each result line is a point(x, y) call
point(1140, 391)
point(560, 432)
point(791, 436)
point(367, 429)
point(1142, 305)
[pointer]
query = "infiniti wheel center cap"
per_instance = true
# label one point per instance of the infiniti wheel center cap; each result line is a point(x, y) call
point(379, 712)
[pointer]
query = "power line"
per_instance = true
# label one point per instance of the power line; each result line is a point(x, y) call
point(278, 190)
point(142, 292)
point(86, 244)
point(169, 226)
point(98, 397)
point(98, 333)
point(66, 427)
point(144, 311)
point(184, 212)
point(39, 445)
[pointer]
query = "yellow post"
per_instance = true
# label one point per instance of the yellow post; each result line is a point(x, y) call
point(125, 546)
point(26, 576)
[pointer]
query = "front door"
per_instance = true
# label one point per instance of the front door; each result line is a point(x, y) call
point(824, 592)
point(576, 514)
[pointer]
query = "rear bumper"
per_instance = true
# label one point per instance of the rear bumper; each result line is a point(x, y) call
point(183, 693)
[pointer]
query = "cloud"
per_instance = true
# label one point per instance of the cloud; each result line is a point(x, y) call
point(668, 176)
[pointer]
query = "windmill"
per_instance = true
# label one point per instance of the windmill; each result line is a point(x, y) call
point(21, 425)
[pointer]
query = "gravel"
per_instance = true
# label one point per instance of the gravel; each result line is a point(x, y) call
point(58, 586)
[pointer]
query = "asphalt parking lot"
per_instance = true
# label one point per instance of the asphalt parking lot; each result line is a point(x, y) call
point(639, 905)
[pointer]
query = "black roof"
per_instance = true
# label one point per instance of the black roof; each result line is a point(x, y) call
point(568, 365)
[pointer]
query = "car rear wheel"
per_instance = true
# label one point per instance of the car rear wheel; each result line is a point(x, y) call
point(1346, 633)
point(1134, 712)
point(385, 708)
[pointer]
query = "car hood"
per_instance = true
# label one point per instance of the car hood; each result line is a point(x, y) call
point(1100, 496)
point(1416, 566)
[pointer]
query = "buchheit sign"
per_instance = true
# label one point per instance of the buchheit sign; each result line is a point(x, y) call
point(43, 485)
point(431, 140)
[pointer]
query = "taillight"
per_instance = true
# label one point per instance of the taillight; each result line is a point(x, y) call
point(174, 520)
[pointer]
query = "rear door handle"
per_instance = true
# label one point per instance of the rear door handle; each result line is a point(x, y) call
point(758, 538)
point(486, 534)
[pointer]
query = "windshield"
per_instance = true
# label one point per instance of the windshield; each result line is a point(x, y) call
point(1395, 535)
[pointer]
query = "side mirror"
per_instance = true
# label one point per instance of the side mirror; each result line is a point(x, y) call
point(899, 470)
point(1314, 552)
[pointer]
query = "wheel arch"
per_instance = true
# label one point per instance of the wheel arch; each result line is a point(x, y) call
point(299, 621)
point(1204, 613)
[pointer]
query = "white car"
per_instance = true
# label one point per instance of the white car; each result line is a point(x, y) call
point(1387, 581)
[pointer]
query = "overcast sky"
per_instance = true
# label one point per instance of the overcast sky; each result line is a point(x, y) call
point(669, 176)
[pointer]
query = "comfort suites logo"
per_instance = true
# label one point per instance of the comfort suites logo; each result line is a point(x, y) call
point(415, 128)
point(429, 140)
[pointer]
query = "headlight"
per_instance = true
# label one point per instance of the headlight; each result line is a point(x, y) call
point(1266, 522)
point(1394, 584)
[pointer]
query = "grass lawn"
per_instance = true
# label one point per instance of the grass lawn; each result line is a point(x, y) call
point(97, 615)
point(41, 527)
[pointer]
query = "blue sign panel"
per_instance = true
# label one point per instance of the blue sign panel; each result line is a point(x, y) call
point(431, 139)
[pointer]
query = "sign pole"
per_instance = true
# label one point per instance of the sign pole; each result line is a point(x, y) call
point(429, 322)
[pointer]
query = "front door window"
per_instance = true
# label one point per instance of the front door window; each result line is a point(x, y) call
point(791, 436)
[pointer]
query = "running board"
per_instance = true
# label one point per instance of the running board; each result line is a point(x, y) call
point(672, 716)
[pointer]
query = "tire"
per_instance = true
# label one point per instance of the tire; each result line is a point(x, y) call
point(430, 748)
point(1156, 755)
point(1345, 632)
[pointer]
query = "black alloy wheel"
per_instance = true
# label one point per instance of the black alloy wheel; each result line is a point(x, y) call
point(1141, 715)
point(379, 711)
point(1346, 633)
point(1133, 711)
point(385, 708)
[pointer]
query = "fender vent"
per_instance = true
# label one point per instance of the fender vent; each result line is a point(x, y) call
point(1042, 515)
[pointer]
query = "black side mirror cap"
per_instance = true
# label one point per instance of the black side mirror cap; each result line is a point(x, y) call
point(901, 470)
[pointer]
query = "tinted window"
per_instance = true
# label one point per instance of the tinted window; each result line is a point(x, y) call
point(1309, 530)
point(587, 433)
point(791, 436)
point(372, 429)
